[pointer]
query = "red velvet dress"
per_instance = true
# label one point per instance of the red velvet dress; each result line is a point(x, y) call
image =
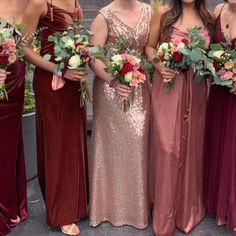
point(61, 135)
point(220, 149)
point(13, 200)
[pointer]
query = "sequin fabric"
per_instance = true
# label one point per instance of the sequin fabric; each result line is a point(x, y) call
point(119, 161)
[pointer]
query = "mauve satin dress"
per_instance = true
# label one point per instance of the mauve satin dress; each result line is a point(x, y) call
point(119, 181)
point(61, 135)
point(177, 130)
point(220, 149)
point(13, 199)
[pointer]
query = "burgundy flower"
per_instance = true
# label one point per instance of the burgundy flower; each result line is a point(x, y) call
point(162, 58)
point(141, 70)
point(177, 57)
point(127, 67)
point(185, 41)
point(4, 56)
point(216, 65)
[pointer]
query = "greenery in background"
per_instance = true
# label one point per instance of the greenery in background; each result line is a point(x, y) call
point(155, 4)
point(29, 102)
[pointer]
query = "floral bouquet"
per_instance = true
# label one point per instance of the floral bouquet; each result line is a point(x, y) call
point(224, 64)
point(10, 51)
point(128, 70)
point(72, 51)
point(183, 52)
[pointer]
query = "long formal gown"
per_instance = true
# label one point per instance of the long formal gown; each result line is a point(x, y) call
point(13, 200)
point(61, 134)
point(119, 159)
point(177, 130)
point(220, 149)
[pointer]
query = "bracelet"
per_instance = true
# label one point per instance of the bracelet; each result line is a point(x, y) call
point(112, 83)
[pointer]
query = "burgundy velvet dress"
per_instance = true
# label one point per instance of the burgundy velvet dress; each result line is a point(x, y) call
point(61, 135)
point(220, 149)
point(13, 200)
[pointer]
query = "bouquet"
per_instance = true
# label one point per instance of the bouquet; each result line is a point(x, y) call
point(224, 65)
point(125, 67)
point(72, 51)
point(182, 52)
point(10, 51)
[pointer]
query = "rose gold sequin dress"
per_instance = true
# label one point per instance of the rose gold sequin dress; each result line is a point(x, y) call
point(119, 165)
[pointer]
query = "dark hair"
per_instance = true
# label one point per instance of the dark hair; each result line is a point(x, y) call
point(169, 18)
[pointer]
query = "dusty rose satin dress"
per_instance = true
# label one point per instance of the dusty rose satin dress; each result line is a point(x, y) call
point(177, 127)
point(61, 135)
point(220, 149)
point(119, 161)
point(13, 199)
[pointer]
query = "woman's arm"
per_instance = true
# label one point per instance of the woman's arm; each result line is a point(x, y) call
point(100, 33)
point(35, 10)
point(154, 35)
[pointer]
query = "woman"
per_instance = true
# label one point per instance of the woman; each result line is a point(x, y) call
point(119, 159)
point(220, 139)
point(61, 123)
point(178, 119)
point(13, 200)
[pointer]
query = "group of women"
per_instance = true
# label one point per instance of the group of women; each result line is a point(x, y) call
point(183, 176)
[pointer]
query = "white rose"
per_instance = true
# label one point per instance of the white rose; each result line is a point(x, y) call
point(117, 60)
point(137, 60)
point(165, 46)
point(70, 44)
point(74, 62)
point(218, 54)
point(128, 77)
point(180, 45)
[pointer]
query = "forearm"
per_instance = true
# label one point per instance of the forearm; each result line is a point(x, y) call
point(150, 55)
point(38, 60)
point(98, 68)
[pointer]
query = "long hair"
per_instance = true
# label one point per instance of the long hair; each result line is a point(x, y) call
point(169, 18)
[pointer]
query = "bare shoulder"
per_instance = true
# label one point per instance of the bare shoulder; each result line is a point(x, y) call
point(218, 9)
point(99, 19)
point(211, 13)
point(37, 6)
point(161, 11)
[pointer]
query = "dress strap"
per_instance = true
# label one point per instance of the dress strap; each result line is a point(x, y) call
point(51, 8)
point(222, 9)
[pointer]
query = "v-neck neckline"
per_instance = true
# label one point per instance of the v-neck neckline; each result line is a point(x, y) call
point(123, 23)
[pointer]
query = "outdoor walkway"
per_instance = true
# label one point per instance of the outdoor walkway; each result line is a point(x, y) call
point(35, 224)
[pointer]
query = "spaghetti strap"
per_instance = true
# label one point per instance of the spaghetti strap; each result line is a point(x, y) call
point(222, 9)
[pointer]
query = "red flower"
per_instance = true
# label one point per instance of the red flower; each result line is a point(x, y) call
point(162, 58)
point(127, 67)
point(177, 57)
point(4, 56)
point(185, 41)
point(141, 70)
point(78, 45)
point(216, 65)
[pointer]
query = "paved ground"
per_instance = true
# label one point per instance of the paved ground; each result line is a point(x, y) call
point(35, 224)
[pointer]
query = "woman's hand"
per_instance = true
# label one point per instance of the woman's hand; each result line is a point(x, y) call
point(166, 73)
point(3, 75)
point(233, 90)
point(75, 75)
point(122, 90)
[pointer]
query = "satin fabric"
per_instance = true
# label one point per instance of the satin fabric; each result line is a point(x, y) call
point(13, 200)
point(61, 135)
point(177, 127)
point(220, 149)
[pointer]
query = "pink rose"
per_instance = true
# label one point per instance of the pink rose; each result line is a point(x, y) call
point(221, 72)
point(133, 83)
point(227, 76)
